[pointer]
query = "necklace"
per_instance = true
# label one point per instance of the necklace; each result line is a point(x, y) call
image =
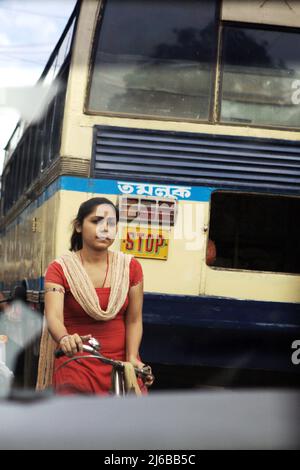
point(107, 267)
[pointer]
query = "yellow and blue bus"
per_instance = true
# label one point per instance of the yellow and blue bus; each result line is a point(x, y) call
point(187, 114)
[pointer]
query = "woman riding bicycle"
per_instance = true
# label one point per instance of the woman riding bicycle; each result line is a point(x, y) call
point(92, 291)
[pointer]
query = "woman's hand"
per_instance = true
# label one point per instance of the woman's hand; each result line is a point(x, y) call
point(71, 344)
point(149, 379)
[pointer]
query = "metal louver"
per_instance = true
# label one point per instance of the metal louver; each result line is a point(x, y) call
point(181, 157)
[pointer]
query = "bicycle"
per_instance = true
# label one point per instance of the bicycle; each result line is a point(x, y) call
point(118, 368)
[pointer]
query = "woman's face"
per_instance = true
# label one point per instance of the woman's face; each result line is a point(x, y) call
point(99, 228)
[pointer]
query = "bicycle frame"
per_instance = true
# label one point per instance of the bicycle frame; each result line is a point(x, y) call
point(118, 382)
point(117, 374)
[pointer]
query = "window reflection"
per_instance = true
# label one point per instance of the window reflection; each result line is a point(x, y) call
point(260, 77)
point(155, 58)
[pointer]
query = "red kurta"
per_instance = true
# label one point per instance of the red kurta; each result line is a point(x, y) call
point(91, 375)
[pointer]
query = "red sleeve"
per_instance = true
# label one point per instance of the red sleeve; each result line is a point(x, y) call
point(55, 274)
point(135, 272)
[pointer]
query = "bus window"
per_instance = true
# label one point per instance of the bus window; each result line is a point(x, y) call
point(261, 77)
point(155, 58)
point(255, 232)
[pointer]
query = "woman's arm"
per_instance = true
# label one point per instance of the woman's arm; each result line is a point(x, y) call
point(134, 328)
point(134, 324)
point(54, 311)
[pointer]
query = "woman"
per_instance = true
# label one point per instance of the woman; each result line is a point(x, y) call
point(92, 291)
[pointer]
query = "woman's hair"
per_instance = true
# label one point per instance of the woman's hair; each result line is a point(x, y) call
point(84, 210)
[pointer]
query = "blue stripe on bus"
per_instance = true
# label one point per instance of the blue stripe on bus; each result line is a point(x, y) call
point(98, 186)
point(220, 332)
point(104, 186)
point(222, 312)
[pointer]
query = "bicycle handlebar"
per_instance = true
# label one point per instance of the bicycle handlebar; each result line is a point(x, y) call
point(144, 372)
point(59, 352)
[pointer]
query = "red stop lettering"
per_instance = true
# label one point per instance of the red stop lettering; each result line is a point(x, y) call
point(159, 243)
point(129, 242)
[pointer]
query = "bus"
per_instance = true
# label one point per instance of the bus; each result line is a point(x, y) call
point(187, 115)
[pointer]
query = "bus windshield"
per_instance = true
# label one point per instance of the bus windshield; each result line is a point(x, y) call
point(154, 58)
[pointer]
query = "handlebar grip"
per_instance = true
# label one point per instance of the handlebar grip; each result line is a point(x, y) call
point(59, 353)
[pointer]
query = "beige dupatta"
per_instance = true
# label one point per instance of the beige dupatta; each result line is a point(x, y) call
point(85, 294)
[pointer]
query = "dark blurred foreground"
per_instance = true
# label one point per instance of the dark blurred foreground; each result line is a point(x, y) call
point(186, 420)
